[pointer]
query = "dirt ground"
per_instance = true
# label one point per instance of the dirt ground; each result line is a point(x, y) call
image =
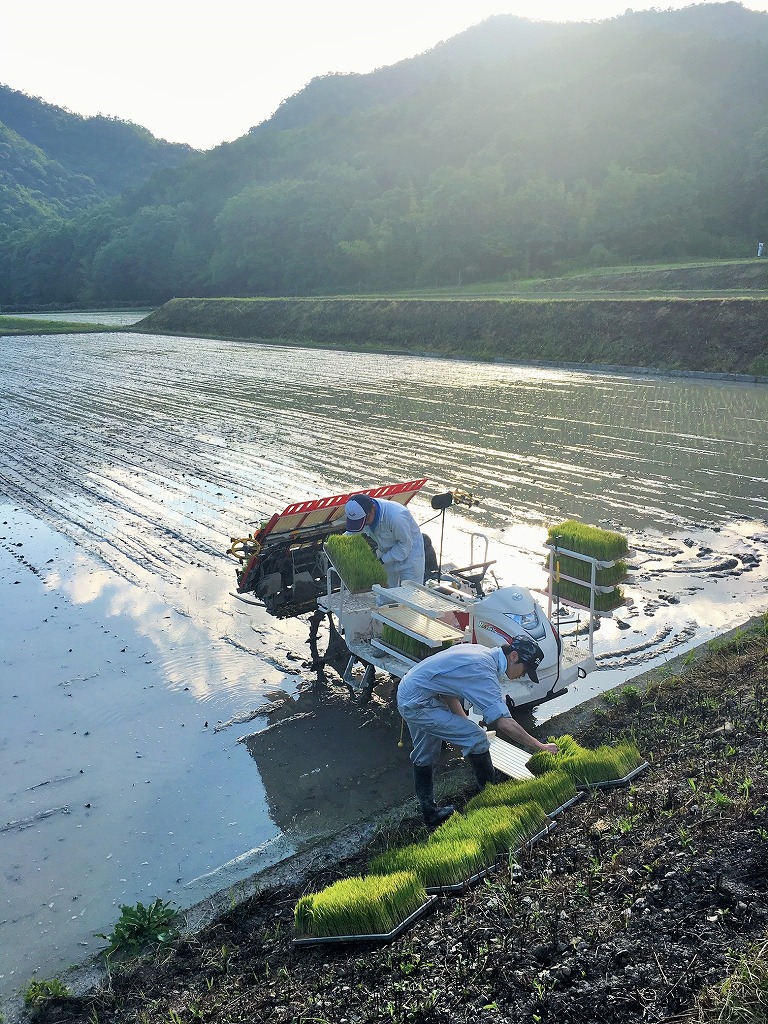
point(633, 909)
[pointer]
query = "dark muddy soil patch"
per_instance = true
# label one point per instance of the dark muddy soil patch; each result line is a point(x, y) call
point(629, 911)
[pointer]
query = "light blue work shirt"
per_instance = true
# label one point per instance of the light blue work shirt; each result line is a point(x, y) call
point(398, 540)
point(472, 673)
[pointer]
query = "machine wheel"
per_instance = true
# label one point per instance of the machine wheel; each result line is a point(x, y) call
point(364, 691)
point(326, 645)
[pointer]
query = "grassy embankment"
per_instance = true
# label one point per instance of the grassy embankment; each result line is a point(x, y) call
point(700, 317)
point(706, 336)
point(26, 325)
point(661, 321)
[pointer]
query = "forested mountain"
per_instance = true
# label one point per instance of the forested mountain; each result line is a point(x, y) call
point(514, 148)
point(54, 164)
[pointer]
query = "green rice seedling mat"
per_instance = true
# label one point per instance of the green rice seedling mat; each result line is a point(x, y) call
point(605, 545)
point(355, 562)
point(612, 783)
point(380, 938)
point(537, 837)
point(568, 803)
point(461, 887)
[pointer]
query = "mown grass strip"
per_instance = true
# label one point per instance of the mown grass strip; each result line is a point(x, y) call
point(16, 325)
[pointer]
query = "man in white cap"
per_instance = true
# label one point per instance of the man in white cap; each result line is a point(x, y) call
point(395, 533)
point(431, 697)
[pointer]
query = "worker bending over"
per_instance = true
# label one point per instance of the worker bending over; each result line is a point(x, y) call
point(430, 698)
point(395, 533)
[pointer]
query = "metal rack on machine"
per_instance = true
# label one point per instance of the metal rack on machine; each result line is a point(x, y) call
point(433, 633)
point(595, 564)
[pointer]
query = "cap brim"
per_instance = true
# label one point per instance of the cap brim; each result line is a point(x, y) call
point(355, 525)
point(530, 671)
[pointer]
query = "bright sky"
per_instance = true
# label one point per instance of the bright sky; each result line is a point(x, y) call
point(205, 71)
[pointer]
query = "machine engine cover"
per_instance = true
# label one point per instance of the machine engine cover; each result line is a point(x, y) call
point(508, 612)
point(511, 612)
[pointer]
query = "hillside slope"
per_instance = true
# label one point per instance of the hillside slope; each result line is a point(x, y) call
point(54, 163)
point(515, 150)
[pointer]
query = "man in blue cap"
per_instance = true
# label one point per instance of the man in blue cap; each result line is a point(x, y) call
point(394, 532)
point(431, 698)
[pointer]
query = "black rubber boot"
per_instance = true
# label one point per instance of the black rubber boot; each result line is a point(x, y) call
point(423, 782)
point(482, 766)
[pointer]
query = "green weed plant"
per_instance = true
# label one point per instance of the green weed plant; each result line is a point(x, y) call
point(140, 927)
point(743, 997)
point(40, 991)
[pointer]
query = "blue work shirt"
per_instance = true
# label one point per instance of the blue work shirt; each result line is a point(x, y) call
point(398, 540)
point(471, 672)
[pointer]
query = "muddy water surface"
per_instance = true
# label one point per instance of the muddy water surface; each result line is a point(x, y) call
point(158, 737)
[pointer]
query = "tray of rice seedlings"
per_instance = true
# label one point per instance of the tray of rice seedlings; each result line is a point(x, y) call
point(589, 769)
point(609, 766)
point(606, 577)
point(575, 593)
point(376, 908)
point(446, 869)
point(567, 748)
point(412, 648)
point(500, 830)
point(607, 547)
point(603, 545)
point(554, 791)
point(535, 821)
point(355, 562)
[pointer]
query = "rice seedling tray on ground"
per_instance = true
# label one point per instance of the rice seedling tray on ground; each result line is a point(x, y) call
point(461, 887)
point(568, 803)
point(535, 838)
point(315, 940)
point(585, 787)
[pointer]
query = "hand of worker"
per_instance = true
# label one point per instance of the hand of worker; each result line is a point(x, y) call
point(549, 748)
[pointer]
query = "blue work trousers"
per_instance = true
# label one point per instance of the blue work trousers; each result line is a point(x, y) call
point(431, 724)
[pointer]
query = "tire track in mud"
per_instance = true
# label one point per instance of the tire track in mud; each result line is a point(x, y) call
point(96, 488)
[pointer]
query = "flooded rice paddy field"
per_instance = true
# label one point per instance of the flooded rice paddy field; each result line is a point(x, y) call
point(159, 736)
